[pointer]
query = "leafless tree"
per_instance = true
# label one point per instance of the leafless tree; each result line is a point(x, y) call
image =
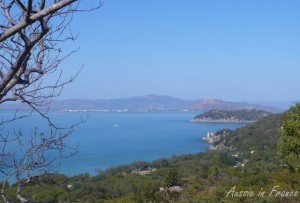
point(31, 36)
point(26, 159)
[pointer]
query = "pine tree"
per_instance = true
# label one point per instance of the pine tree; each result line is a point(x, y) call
point(289, 144)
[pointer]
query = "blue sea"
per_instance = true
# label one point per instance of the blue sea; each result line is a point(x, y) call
point(111, 139)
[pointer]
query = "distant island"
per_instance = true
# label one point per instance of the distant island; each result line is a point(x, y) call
point(231, 116)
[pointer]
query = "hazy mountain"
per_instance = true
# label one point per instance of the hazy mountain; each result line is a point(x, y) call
point(140, 103)
point(146, 103)
point(210, 104)
point(156, 103)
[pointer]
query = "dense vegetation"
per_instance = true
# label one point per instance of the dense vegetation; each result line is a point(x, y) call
point(289, 145)
point(246, 115)
point(252, 164)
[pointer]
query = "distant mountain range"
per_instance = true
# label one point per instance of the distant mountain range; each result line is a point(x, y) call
point(145, 103)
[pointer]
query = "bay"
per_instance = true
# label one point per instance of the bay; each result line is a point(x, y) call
point(111, 139)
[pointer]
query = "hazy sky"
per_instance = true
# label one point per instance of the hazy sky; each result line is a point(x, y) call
point(228, 49)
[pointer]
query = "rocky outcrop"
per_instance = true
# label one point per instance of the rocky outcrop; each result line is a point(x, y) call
point(171, 189)
point(216, 139)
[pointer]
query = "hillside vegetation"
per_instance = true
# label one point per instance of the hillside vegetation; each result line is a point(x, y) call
point(216, 115)
point(248, 165)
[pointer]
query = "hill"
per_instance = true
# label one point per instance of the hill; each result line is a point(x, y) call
point(143, 104)
point(258, 136)
point(139, 103)
point(245, 115)
point(209, 104)
point(248, 163)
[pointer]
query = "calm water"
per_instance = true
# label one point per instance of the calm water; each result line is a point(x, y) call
point(110, 139)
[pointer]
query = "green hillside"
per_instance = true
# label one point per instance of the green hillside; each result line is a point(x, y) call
point(257, 136)
point(246, 115)
point(249, 163)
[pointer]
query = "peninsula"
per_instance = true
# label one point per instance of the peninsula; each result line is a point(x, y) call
point(231, 116)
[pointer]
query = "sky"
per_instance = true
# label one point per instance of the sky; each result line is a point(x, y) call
point(232, 50)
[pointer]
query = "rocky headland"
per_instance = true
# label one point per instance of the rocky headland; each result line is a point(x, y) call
point(231, 116)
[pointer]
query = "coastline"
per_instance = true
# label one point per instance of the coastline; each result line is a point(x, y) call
point(220, 121)
point(102, 145)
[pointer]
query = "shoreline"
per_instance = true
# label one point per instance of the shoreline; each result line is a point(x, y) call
point(220, 121)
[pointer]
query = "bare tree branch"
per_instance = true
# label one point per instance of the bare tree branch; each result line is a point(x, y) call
point(33, 18)
point(31, 36)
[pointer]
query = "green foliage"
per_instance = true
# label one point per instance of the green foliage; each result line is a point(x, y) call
point(289, 144)
point(203, 177)
point(248, 115)
point(172, 178)
point(259, 136)
point(48, 189)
